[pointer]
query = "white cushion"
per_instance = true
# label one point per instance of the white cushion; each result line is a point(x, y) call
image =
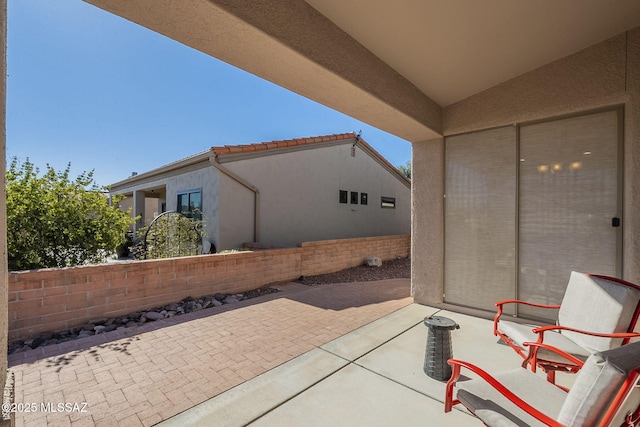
point(597, 383)
point(522, 333)
point(596, 305)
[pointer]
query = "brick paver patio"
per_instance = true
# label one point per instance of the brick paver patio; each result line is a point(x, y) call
point(142, 376)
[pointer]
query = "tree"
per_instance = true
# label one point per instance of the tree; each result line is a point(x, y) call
point(406, 169)
point(53, 221)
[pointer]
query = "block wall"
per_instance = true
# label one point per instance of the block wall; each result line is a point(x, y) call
point(61, 298)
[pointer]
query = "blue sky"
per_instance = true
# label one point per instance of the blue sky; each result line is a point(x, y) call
point(90, 88)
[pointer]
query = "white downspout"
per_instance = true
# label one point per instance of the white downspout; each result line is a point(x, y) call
point(256, 194)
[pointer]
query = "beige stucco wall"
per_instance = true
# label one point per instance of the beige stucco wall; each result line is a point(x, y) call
point(427, 236)
point(151, 207)
point(591, 78)
point(299, 195)
point(605, 74)
point(237, 214)
point(206, 179)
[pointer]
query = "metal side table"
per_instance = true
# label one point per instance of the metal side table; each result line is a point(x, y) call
point(438, 347)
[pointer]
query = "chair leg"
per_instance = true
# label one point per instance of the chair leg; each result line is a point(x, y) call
point(551, 376)
point(449, 401)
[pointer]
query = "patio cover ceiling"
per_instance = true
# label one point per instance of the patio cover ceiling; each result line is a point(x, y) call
point(393, 64)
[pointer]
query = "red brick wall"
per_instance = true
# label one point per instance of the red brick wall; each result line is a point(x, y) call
point(56, 299)
point(327, 256)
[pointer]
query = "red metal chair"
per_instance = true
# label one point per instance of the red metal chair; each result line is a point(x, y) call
point(597, 313)
point(605, 393)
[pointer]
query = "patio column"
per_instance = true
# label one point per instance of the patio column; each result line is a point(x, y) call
point(4, 280)
point(138, 209)
point(427, 221)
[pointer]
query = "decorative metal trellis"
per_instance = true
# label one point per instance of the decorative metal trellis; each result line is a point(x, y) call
point(171, 234)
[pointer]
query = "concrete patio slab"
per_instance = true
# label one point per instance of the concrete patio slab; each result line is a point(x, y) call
point(369, 337)
point(402, 359)
point(355, 396)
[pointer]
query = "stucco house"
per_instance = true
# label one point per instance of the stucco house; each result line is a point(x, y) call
point(279, 193)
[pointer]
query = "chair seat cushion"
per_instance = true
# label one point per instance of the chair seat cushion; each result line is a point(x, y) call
point(523, 333)
point(496, 410)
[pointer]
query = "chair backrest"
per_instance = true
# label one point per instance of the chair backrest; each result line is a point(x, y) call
point(598, 304)
point(598, 384)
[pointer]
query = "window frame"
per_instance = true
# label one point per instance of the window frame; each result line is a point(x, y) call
point(190, 211)
point(387, 202)
point(354, 198)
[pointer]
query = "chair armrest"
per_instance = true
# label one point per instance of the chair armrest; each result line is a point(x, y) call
point(499, 304)
point(517, 301)
point(533, 354)
point(542, 329)
point(455, 367)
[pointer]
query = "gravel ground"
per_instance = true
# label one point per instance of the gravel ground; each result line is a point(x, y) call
point(392, 269)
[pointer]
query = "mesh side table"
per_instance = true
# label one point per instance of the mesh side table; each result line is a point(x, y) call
point(438, 347)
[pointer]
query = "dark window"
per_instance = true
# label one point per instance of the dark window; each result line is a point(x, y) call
point(190, 203)
point(343, 196)
point(363, 198)
point(388, 202)
point(354, 197)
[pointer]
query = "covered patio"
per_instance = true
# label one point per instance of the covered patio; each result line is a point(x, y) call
point(487, 93)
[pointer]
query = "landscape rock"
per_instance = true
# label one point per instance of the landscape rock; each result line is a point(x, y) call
point(152, 315)
point(374, 261)
point(103, 325)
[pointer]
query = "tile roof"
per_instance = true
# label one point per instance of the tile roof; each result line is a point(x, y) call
point(261, 146)
point(248, 148)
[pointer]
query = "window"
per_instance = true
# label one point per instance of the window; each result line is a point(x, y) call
point(190, 203)
point(388, 202)
point(343, 196)
point(354, 197)
point(363, 198)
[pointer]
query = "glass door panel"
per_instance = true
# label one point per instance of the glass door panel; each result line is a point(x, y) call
point(568, 196)
point(480, 217)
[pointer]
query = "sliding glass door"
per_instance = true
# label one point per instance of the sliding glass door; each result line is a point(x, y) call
point(480, 217)
point(525, 205)
point(569, 197)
